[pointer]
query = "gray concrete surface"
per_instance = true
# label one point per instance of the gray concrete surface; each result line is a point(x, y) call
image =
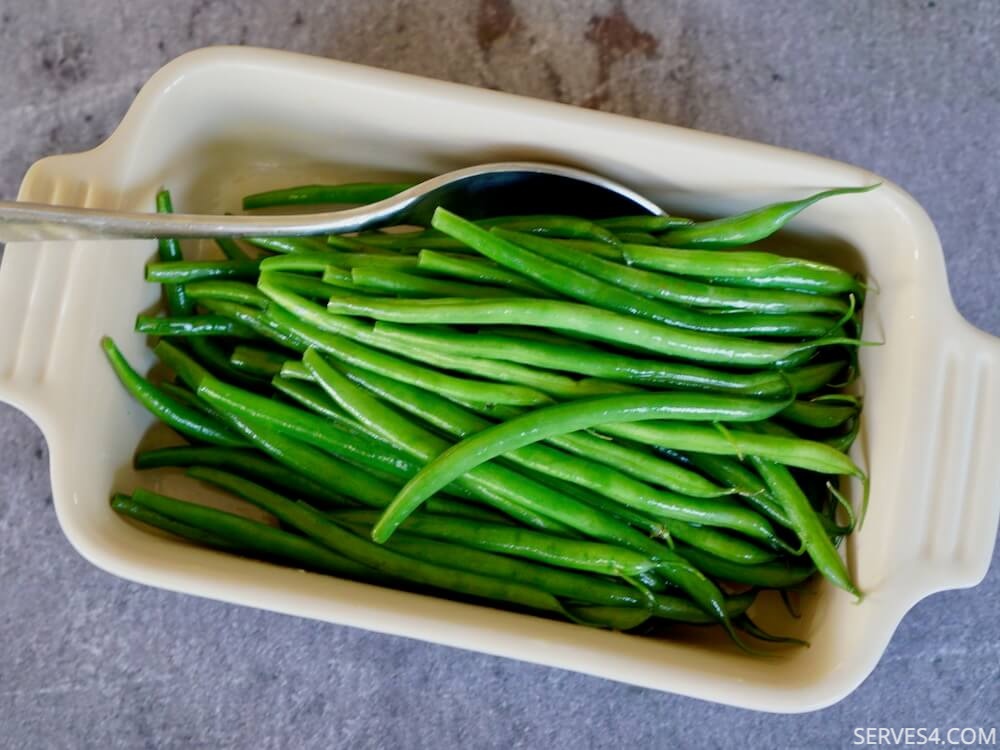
point(909, 89)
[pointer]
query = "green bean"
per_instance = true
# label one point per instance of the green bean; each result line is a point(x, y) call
point(124, 505)
point(743, 480)
point(345, 193)
point(600, 281)
point(748, 626)
point(170, 251)
point(490, 491)
point(309, 287)
point(817, 414)
point(544, 460)
point(707, 538)
point(338, 278)
point(805, 522)
point(593, 323)
point(183, 271)
point(509, 250)
point(844, 442)
point(314, 398)
point(253, 537)
point(227, 291)
point(591, 361)
point(217, 359)
point(561, 583)
point(673, 608)
point(742, 229)
point(257, 361)
point(679, 290)
point(555, 420)
point(635, 238)
point(371, 359)
point(529, 384)
point(186, 420)
point(353, 547)
point(356, 246)
point(406, 241)
point(290, 244)
point(357, 449)
point(182, 394)
point(809, 378)
point(778, 574)
point(591, 557)
point(476, 269)
point(643, 223)
point(193, 325)
point(340, 477)
point(568, 227)
point(231, 249)
point(598, 249)
point(745, 268)
point(531, 494)
point(385, 466)
point(402, 284)
point(257, 321)
point(789, 451)
point(243, 461)
point(324, 331)
point(318, 262)
point(639, 464)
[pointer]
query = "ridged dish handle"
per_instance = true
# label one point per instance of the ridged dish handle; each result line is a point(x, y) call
point(29, 308)
point(49, 293)
point(951, 494)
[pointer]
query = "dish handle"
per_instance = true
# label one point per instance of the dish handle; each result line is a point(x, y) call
point(19, 276)
point(955, 478)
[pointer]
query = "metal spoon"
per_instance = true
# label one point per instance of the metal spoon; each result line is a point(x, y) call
point(506, 188)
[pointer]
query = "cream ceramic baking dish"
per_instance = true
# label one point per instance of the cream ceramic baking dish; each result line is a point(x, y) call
point(218, 123)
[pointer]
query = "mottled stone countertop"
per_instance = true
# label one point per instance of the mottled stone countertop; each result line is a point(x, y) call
point(908, 89)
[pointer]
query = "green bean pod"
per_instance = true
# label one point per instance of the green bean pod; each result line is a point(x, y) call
point(778, 574)
point(246, 462)
point(238, 292)
point(532, 256)
point(788, 451)
point(806, 523)
point(170, 251)
point(255, 538)
point(346, 193)
point(745, 269)
point(478, 270)
point(124, 505)
point(313, 525)
point(389, 281)
point(591, 557)
point(680, 290)
point(643, 223)
point(498, 246)
point(742, 229)
point(193, 325)
point(183, 271)
point(603, 325)
point(186, 420)
point(559, 419)
point(255, 361)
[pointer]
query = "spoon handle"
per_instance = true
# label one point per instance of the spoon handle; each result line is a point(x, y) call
point(21, 221)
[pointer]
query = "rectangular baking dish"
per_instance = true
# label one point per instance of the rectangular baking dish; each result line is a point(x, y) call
point(218, 123)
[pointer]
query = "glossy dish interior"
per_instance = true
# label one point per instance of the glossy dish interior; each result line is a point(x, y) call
point(219, 123)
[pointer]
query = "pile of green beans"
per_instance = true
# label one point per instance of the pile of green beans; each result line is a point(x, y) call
point(624, 422)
